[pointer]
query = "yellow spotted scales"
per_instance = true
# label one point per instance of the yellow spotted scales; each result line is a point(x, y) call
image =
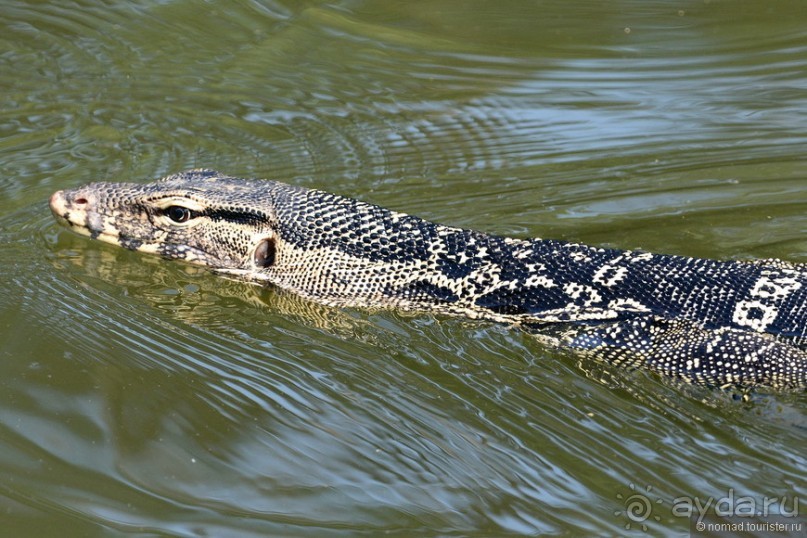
point(719, 323)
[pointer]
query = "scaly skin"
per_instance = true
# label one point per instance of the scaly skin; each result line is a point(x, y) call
point(720, 323)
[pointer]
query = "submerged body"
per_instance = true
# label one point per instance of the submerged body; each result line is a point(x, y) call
point(723, 323)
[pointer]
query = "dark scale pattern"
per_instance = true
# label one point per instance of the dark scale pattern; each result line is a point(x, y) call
point(718, 323)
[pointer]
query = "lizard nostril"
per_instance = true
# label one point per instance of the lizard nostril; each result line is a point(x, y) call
point(80, 201)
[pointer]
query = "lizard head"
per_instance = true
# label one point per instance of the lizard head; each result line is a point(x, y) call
point(320, 245)
point(199, 216)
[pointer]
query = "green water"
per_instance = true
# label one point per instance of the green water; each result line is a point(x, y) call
point(144, 397)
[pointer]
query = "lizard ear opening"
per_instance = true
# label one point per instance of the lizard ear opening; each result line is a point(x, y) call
point(265, 253)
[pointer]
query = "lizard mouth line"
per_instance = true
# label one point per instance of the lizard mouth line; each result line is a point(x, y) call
point(78, 215)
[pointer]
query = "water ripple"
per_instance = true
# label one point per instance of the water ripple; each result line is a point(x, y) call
point(150, 397)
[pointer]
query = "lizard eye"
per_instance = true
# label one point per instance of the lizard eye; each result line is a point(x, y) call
point(179, 214)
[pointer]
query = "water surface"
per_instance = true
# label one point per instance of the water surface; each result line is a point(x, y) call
point(153, 398)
